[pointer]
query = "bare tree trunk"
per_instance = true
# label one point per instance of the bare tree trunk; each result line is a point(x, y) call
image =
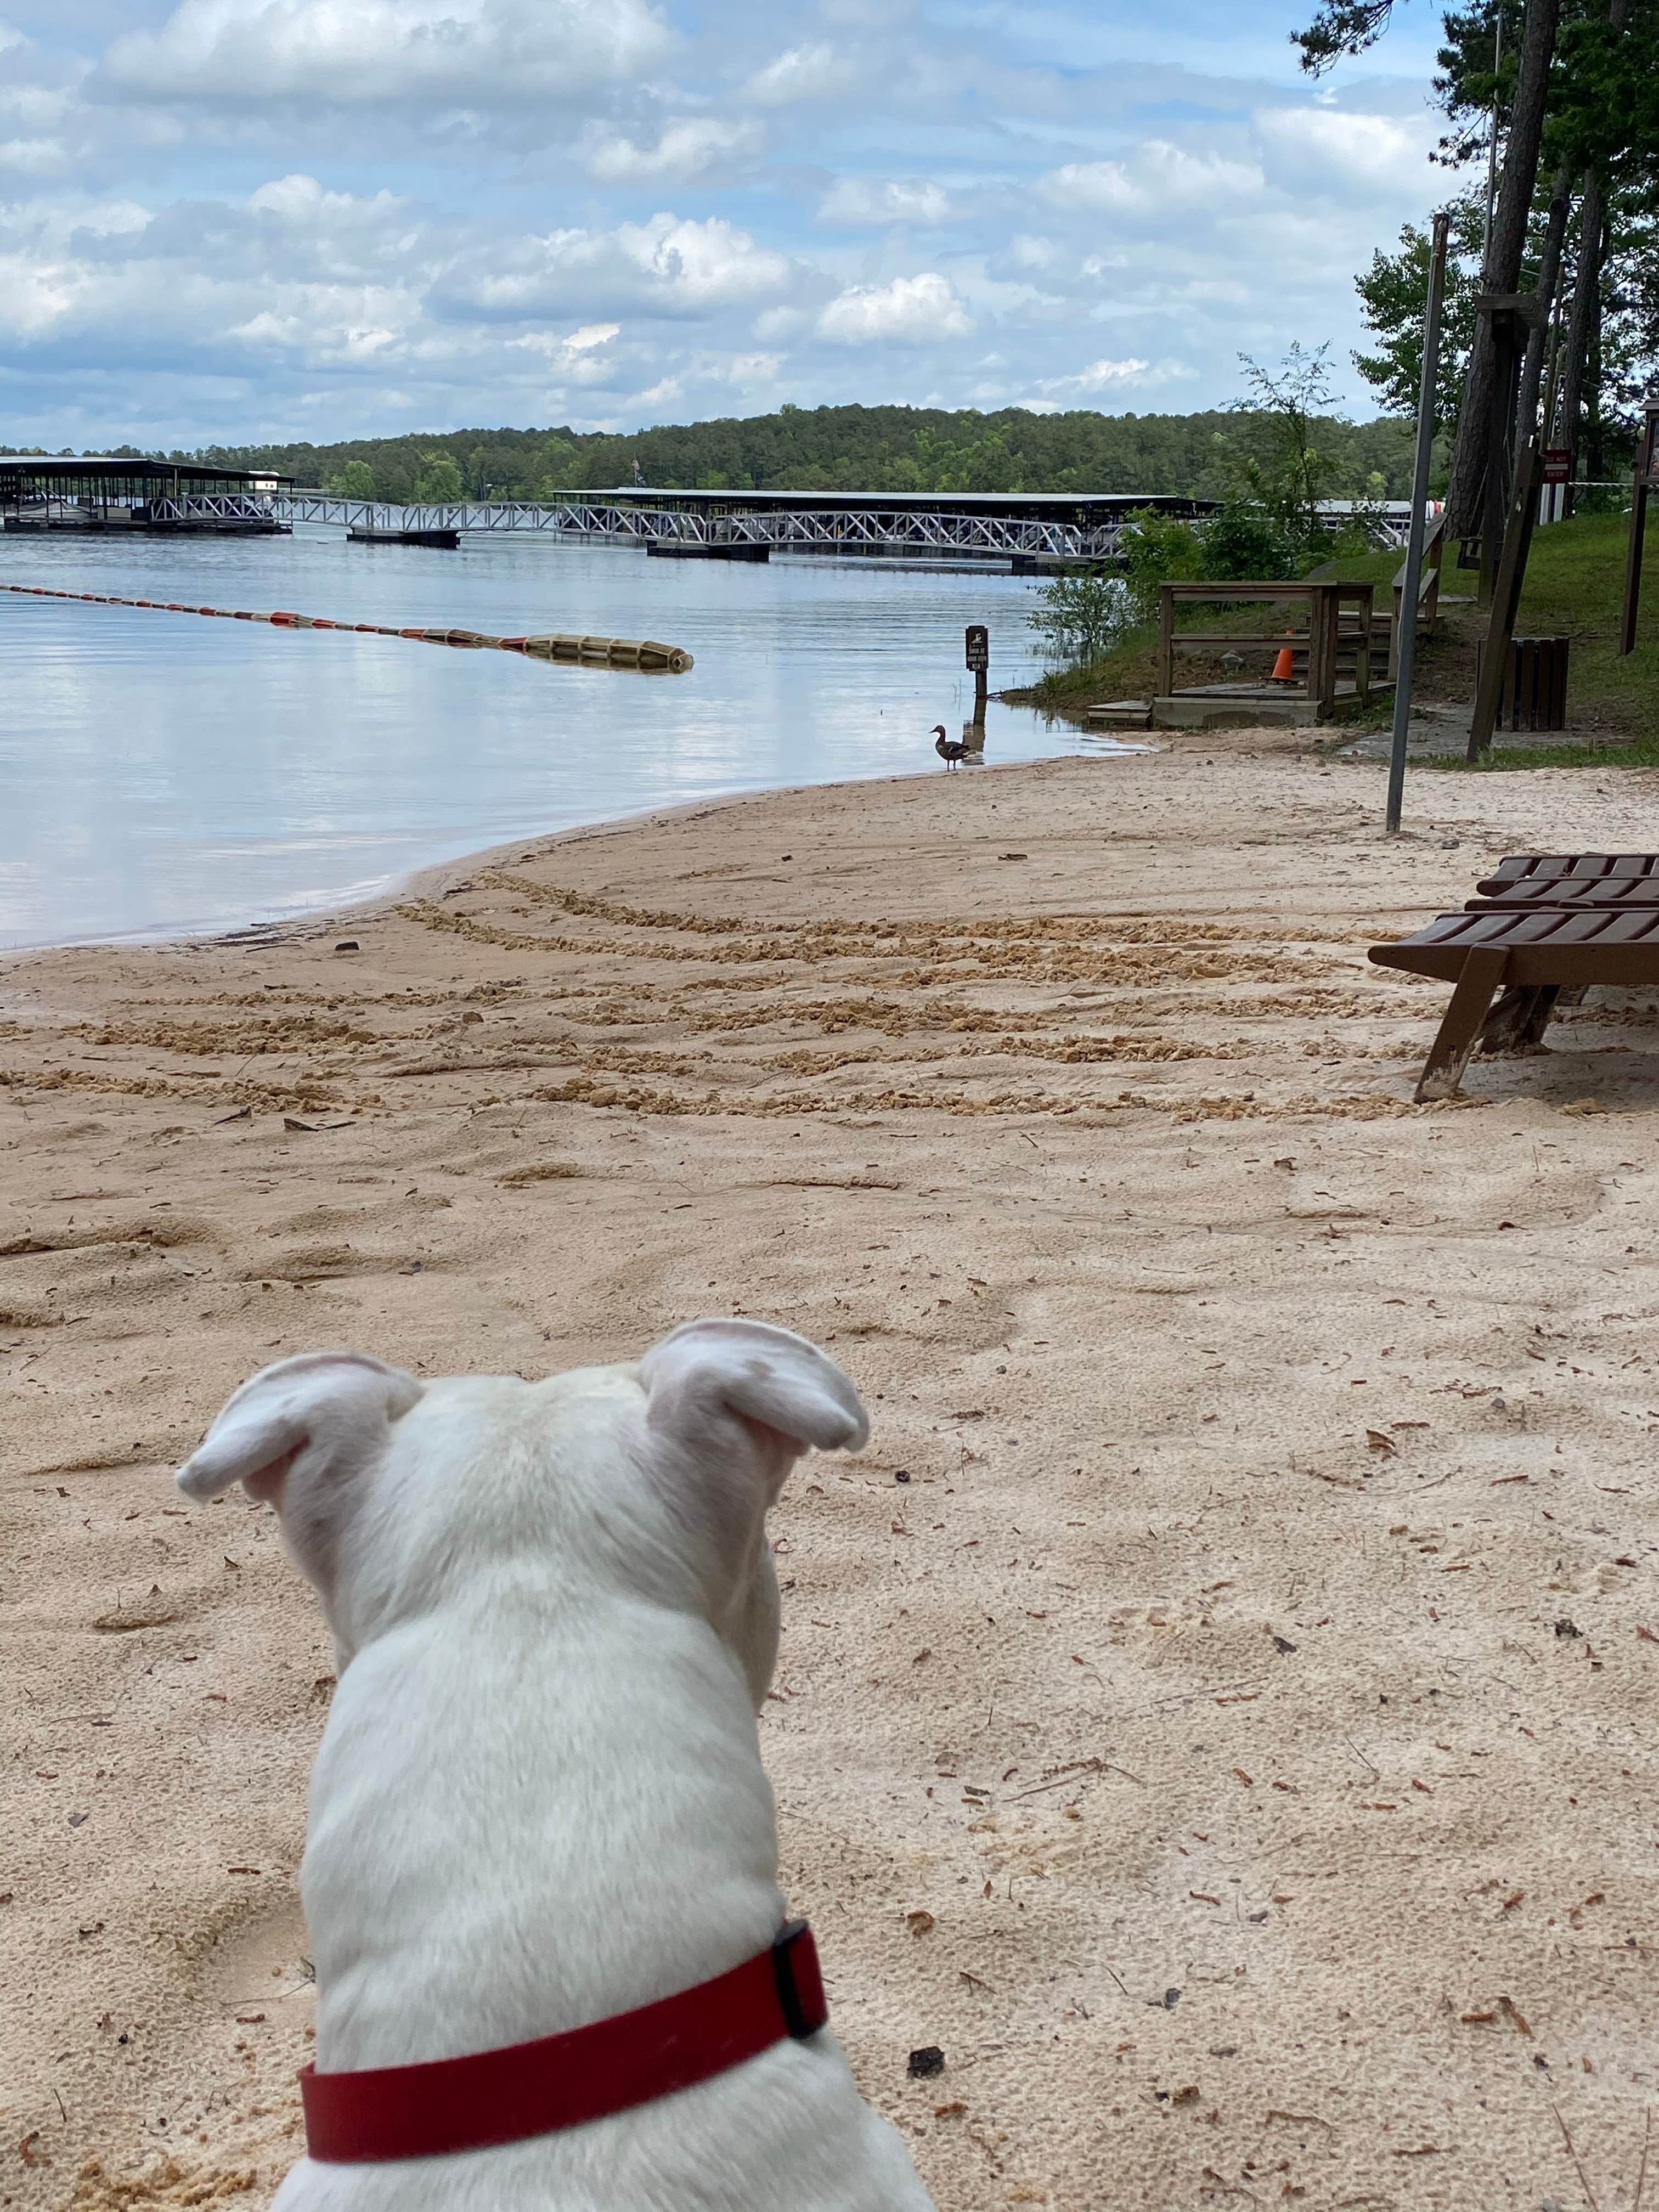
point(1586, 291)
point(1503, 270)
point(1584, 329)
point(1549, 276)
point(1596, 421)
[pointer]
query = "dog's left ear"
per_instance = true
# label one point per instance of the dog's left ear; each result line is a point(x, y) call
point(713, 1385)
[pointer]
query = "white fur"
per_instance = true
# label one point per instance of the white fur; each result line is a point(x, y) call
point(539, 1798)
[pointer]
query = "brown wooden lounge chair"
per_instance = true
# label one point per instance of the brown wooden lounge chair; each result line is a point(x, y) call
point(1531, 955)
point(1571, 879)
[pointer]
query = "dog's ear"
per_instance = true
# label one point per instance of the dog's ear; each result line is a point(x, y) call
point(323, 1414)
point(715, 1384)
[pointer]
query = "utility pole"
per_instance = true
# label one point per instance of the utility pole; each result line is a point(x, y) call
point(1406, 644)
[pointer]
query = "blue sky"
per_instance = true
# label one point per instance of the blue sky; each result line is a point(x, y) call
point(233, 220)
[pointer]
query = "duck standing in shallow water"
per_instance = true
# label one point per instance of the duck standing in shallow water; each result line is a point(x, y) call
point(949, 749)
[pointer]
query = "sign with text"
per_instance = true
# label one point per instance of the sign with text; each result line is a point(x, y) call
point(979, 648)
point(1558, 465)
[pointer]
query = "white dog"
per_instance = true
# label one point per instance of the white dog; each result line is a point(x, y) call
point(539, 1801)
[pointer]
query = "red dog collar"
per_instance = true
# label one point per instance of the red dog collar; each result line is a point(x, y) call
point(532, 2089)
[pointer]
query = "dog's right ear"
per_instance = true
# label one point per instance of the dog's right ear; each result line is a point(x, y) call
point(300, 1424)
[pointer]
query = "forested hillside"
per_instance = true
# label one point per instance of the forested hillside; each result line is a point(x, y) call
point(842, 448)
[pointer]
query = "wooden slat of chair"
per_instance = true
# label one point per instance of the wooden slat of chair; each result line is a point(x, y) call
point(1555, 867)
point(1572, 892)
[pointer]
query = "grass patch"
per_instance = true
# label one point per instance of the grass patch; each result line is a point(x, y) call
point(1128, 670)
point(1637, 752)
point(1575, 589)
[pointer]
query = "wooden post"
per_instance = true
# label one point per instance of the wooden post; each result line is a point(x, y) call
point(1506, 597)
point(1165, 641)
point(1324, 611)
point(1362, 665)
point(1638, 517)
point(1647, 469)
point(979, 662)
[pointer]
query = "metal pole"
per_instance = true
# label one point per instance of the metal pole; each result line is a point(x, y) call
point(1406, 644)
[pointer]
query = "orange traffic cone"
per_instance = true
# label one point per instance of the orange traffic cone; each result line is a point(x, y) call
point(1284, 667)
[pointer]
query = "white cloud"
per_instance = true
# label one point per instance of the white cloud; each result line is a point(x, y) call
point(667, 266)
point(35, 157)
point(1103, 377)
point(799, 74)
point(301, 201)
point(910, 310)
point(855, 201)
point(1159, 178)
point(583, 357)
point(702, 265)
point(684, 150)
point(1331, 146)
point(365, 53)
point(751, 368)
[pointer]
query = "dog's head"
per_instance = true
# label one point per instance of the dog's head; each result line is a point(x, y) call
point(650, 1481)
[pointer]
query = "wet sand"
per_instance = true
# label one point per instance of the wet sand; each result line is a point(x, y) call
point(1217, 1710)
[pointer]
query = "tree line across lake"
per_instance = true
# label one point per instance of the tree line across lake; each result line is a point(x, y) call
point(852, 448)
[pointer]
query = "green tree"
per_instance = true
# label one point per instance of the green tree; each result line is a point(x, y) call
point(1394, 293)
point(353, 480)
point(440, 479)
point(1157, 548)
point(560, 458)
point(1281, 475)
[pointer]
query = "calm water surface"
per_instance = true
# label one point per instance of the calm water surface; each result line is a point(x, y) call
point(162, 773)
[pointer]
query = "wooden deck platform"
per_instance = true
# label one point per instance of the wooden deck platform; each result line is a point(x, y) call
point(1232, 707)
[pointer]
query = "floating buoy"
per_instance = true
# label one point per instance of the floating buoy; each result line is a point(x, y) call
point(643, 653)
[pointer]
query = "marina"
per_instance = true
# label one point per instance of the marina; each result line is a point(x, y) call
point(1025, 531)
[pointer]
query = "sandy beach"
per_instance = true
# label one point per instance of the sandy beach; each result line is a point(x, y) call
point(1218, 1708)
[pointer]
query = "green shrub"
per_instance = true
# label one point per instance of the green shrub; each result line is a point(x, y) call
point(1082, 615)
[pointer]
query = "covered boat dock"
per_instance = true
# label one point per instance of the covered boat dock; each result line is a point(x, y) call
point(94, 491)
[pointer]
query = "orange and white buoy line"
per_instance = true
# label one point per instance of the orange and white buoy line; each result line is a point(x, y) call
point(595, 652)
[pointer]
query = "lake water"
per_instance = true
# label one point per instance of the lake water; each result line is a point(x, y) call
point(162, 773)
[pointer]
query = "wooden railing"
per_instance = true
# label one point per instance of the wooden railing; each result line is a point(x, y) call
point(1330, 634)
point(1428, 589)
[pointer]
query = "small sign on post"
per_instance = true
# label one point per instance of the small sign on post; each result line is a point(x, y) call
point(979, 661)
point(1558, 465)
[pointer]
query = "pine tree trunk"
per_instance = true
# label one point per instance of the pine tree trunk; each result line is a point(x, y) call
point(1586, 292)
point(1549, 278)
point(1583, 363)
point(1503, 268)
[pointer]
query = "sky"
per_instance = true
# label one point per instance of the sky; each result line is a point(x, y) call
point(236, 221)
